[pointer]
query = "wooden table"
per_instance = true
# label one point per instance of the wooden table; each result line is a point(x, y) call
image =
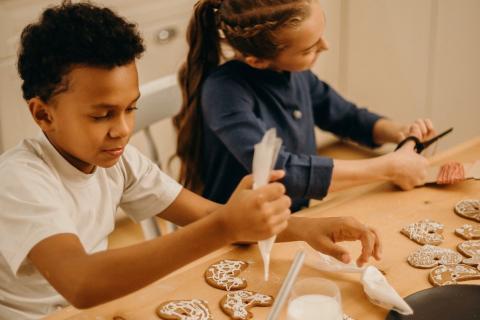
point(379, 205)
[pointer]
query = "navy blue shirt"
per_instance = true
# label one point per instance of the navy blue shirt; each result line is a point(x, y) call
point(240, 103)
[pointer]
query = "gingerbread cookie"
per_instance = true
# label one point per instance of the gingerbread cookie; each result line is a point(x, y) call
point(468, 232)
point(430, 256)
point(236, 304)
point(223, 275)
point(184, 310)
point(469, 209)
point(424, 232)
point(444, 275)
point(471, 249)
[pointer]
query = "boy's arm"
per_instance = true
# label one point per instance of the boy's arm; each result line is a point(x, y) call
point(88, 280)
point(187, 208)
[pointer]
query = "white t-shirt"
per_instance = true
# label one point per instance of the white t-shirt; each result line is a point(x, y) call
point(41, 195)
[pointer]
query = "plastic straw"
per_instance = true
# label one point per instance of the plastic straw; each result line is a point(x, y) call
point(287, 285)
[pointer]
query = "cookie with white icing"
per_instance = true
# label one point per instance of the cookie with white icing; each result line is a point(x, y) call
point(469, 209)
point(224, 275)
point(236, 304)
point(471, 249)
point(468, 232)
point(430, 256)
point(452, 274)
point(194, 309)
point(424, 232)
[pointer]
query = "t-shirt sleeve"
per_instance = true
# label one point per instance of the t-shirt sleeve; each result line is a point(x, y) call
point(335, 114)
point(228, 111)
point(31, 210)
point(147, 190)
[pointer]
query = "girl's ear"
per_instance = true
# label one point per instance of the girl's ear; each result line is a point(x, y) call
point(41, 113)
point(257, 63)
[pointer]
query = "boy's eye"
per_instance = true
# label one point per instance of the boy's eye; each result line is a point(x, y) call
point(131, 109)
point(102, 116)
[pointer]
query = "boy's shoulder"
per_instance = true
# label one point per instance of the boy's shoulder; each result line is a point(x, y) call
point(25, 163)
point(29, 153)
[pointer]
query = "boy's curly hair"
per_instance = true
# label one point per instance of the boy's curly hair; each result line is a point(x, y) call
point(69, 35)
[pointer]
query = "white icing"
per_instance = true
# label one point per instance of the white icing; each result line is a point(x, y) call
point(313, 307)
point(187, 309)
point(224, 274)
point(468, 231)
point(237, 302)
point(429, 256)
point(470, 248)
point(443, 275)
point(469, 209)
point(424, 231)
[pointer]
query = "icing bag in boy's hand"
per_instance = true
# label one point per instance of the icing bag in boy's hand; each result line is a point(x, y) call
point(264, 158)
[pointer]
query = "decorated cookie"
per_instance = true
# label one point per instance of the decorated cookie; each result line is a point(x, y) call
point(469, 209)
point(468, 232)
point(430, 256)
point(451, 274)
point(236, 304)
point(184, 310)
point(223, 275)
point(424, 232)
point(471, 249)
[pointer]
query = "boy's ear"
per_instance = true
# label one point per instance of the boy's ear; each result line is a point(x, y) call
point(41, 113)
point(257, 63)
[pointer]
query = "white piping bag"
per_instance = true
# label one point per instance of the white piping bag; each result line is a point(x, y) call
point(264, 158)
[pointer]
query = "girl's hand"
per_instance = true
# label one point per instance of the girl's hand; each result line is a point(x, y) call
point(324, 233)
point(252, 215)
point(407, 168)
point(421, 128)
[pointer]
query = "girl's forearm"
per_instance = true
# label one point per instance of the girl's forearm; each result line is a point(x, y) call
point(388, 131)
point(350, 173)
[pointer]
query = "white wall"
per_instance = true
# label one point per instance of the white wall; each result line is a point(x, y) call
point(402, 58)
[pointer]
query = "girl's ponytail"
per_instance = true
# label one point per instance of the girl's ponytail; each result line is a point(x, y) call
point(203, 56)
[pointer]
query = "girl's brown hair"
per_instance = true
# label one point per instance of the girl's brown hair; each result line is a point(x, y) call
point(251, 28)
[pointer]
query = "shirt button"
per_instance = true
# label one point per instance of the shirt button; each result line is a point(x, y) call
point(297, 114)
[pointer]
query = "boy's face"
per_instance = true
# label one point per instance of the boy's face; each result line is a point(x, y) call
point(91, 122)
point(304, 43)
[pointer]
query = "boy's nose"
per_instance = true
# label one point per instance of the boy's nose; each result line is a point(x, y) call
point(122, 128)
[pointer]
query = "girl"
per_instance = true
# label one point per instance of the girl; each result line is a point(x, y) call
point(228, 107)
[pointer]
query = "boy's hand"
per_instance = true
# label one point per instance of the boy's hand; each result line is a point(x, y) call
point(252, 215)
point(323, 234)
point(421, 128)
point(407, 168)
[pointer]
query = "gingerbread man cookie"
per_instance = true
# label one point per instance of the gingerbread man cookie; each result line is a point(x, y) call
point(471, 249)
point(429, 256)
point(424, 232)
point(236, 304)
point(223, 275)
point(451, 274)
point(469, 209)
point(184, 310)
point(468, 232)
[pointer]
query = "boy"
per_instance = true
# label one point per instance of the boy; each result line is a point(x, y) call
point(59, 192)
